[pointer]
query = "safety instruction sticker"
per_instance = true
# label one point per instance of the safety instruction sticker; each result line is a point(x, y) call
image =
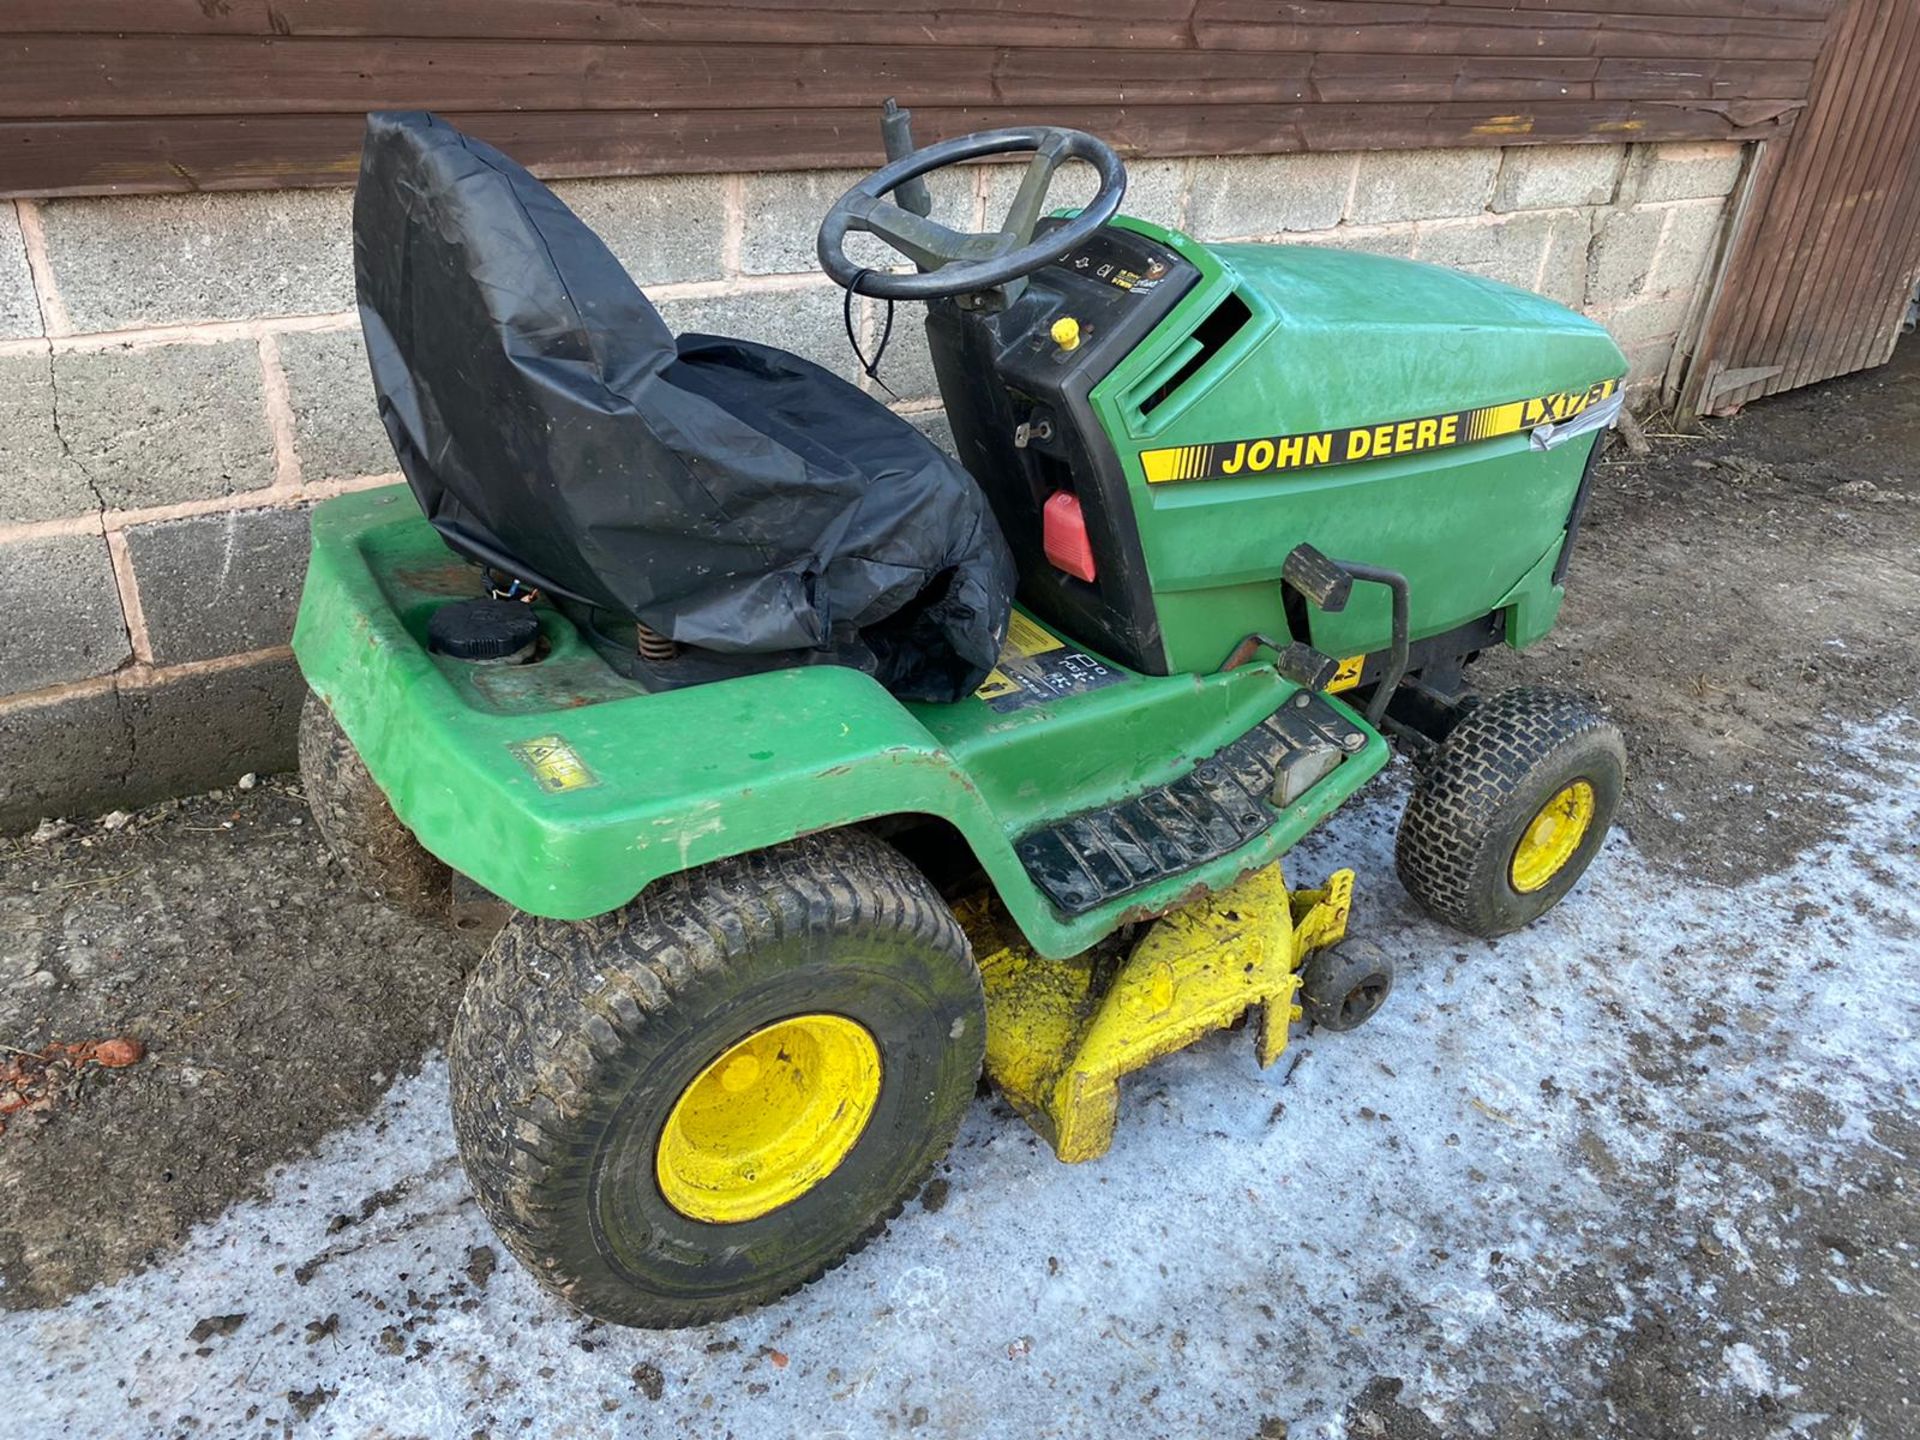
point(1269, 453)
point(554, 764)
point(1348, 675)
point(1037, 666)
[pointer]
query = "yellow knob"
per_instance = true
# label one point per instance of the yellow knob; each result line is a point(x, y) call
point(1066, 333)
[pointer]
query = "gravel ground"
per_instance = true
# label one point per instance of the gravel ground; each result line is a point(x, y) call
point(1647, 1169)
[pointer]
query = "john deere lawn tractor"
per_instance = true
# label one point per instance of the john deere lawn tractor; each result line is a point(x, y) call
point(813, 770)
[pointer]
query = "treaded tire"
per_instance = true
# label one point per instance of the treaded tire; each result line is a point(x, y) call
point(379, 854)
point(1475, 798)
point(575, 1039)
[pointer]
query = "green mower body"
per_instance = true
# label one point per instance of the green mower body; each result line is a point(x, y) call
point(1152, 731)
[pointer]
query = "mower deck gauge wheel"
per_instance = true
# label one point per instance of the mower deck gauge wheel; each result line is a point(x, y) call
point(1344, 986)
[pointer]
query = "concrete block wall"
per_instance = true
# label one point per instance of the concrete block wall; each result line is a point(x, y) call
point(181, 378)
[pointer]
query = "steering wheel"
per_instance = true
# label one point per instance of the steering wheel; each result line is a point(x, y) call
point(953, 262)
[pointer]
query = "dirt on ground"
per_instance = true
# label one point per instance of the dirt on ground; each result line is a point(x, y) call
point(274, 1001)
point(1735, 598)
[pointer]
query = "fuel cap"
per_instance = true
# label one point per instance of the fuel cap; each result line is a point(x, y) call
point(484, 630)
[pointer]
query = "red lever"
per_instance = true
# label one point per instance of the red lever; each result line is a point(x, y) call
point(1063, 533)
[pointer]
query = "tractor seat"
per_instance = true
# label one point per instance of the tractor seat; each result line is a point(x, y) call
point(739, 500)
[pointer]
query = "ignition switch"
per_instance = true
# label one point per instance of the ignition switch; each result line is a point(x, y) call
point(1037, 427)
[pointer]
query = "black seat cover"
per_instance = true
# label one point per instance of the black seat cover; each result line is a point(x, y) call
point(732, 496)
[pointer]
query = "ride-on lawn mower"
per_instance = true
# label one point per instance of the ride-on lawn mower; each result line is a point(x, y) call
point(812, 771)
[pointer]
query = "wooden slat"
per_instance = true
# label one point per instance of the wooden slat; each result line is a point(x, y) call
point(1816, 285)
point(165, 153)
point(111, 75)
point(1792, 33)
point(1404, 26)
point(1119, 24)
point(1718, 79)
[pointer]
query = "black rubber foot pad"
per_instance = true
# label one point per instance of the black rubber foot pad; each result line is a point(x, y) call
point(1088, 859)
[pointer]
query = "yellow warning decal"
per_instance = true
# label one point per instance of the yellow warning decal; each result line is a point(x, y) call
point(997, 686)
point(1036, 666)
point(554, 764)
point(1268, 453)
point(1348, 675)
point(1024, 641)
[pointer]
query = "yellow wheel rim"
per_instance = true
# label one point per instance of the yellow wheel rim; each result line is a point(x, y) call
point(769, 1119)
point(1552, 837)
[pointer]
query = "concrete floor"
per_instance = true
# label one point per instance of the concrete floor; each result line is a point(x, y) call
point(1645, 1169)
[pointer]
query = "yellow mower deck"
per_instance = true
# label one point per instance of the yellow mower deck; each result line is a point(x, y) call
point(1058, 1040)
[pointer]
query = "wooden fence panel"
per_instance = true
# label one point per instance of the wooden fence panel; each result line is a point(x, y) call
point(1818, 278)
point(144, 95)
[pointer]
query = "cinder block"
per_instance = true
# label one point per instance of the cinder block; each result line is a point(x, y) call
point(1646, 370)
point(170, 259)
point(201, 730)
point(1155, 189)
point(784, 208)
point(336, 421)
point(664, 229)
point(157, 425)
point(1268, 194)
point(1708, 170)
point(1656, 318)
point(806, 321)
point(1396, 240)
point(63, 612)
point(1621, 256)
point(19, 306)
point(1564, 276)
point(1693, 234)
point(38, 479)
point(1422, 184)
point(213, 585)
point(1550, 177)
point(66, 757)
point(1509, 251)
point(119, 749)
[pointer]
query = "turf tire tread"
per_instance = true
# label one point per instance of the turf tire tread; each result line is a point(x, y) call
point(554, 1000)
point(1447, 852)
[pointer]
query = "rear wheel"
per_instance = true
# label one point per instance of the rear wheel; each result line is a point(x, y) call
point(701, 1102)
point(1511, 810)
point(379, 854)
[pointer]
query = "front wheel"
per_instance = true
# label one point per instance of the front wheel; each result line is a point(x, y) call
point(701, 1102)
point(1509, 813)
